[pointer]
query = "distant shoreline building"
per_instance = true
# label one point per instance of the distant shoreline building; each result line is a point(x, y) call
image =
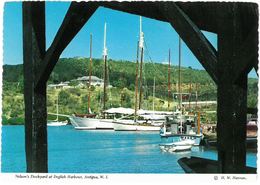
point(95, 81)
point(81, 82)
point(62, 85)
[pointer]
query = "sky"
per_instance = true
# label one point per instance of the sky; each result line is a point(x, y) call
point(122, 36)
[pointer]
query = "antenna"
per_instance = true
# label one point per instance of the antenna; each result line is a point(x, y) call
point(105, 35)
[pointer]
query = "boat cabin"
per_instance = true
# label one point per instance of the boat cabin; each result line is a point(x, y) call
point(179, 124)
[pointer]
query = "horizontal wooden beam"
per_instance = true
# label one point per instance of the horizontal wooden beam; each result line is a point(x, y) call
point(201, 13)
point(192, 36)
point(77, 15)
point(137, 8)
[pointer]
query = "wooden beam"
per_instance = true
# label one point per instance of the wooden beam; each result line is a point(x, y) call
point(201, 13)
point(77, 15)
point(248, 54)
point(256, 66)
point(192, 36)
point(251, 110)
point(202, 165)
point(35, 99)
point(137, 8)
point(232, 97)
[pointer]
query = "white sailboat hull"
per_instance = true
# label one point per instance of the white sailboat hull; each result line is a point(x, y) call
point(105, 124)
point(83, 122)
point(91, 123)
point(134, 127)
point(56, 123)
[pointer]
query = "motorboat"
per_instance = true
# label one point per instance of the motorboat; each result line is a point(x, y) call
point(183, 126)
point(181, 145)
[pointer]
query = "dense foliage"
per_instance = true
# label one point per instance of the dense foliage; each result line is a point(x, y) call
point(121, 77)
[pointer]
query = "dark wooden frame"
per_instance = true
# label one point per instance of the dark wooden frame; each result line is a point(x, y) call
point(235, 23)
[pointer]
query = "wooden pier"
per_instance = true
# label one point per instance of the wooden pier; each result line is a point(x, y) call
point(235, 23)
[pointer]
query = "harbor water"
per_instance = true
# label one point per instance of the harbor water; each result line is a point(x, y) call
point(95, 151)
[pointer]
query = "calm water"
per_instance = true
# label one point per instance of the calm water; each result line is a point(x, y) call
point(76, 151)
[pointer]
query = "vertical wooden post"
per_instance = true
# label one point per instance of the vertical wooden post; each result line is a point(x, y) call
point(35, 98)
point(232, 95)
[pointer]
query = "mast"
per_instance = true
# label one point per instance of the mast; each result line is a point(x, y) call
point(141, 46)
point(105, 68)
point(179, 76)
point(196, 96)
point(136, 80)
point(57, 107)
point(90, 72)
point(190, 95)
point(153, 92)
point(180, 93)
point(169, 80)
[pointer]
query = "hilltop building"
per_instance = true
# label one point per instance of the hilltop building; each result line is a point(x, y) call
point(95, 81)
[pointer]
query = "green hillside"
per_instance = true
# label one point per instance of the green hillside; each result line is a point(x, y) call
point(121, 77)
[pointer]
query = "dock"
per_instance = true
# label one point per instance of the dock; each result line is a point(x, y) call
point(201, 165)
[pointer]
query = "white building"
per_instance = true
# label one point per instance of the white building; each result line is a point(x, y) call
point(95, 81)
point(62, 85)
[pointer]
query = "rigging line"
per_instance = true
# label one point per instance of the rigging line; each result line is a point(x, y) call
point(151, 61)
point(150, 58)
point(146, 71)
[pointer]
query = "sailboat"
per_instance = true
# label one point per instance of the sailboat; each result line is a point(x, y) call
point(91, 121)
point(136, 124)
point(183, 126)
point(56, 122)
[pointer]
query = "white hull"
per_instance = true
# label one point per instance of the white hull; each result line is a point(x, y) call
point(177, 146)
point(134, 127)
point(80, 123)
point(184, 142)
point(56, 123)
point(194, 138)
point(85, 128)
point(105, 124)
point(83, 122)
point(91, 123)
